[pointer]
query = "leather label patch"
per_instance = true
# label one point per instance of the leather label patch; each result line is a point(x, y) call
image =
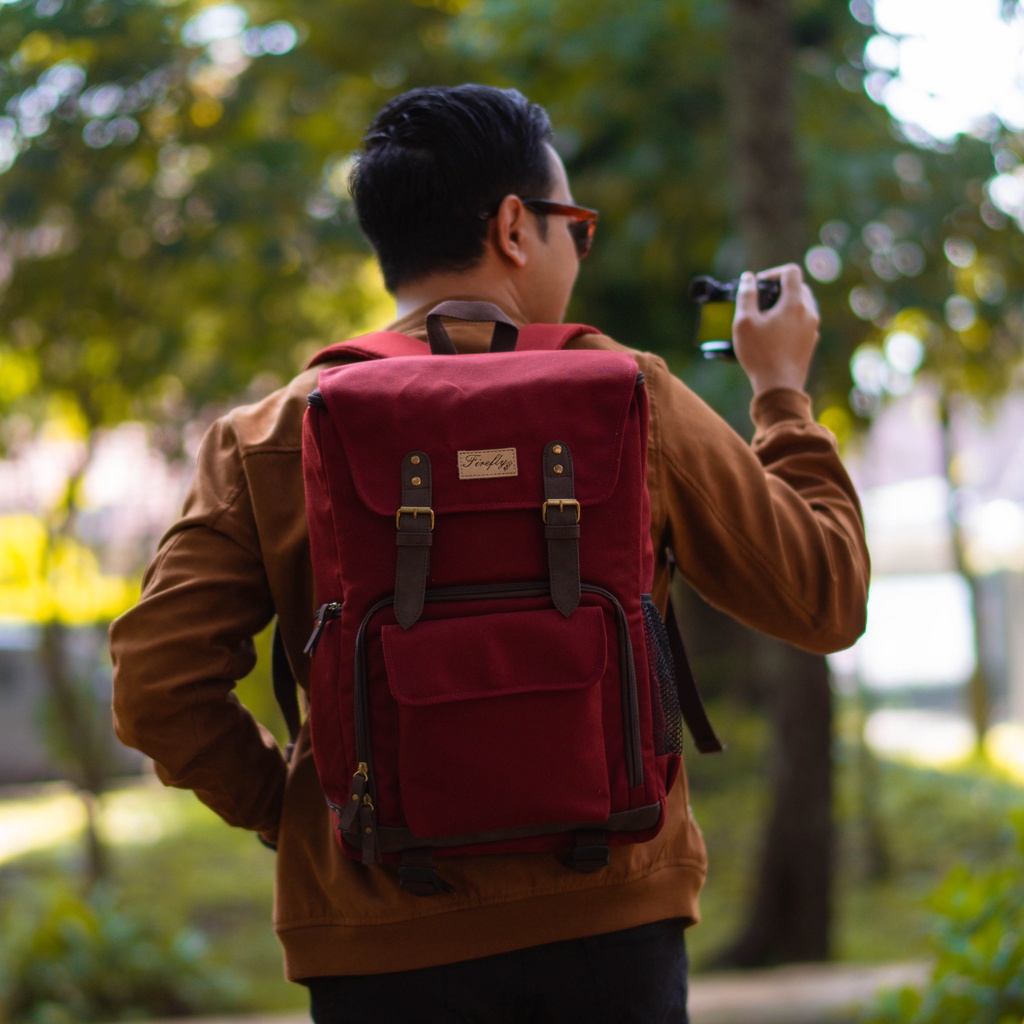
point(488, 463)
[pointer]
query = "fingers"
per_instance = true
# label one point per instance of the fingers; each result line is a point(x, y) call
point(774, 346)
point(795, 291)
point(746, 296)
point(793, 285)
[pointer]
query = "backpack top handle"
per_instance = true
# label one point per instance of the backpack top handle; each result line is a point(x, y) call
point(505, 332)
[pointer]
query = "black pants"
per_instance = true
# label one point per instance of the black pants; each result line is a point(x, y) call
point(637, 975)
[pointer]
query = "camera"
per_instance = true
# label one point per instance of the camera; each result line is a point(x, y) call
point(715, 328)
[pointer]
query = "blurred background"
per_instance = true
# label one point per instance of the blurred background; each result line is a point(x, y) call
point(176, 237)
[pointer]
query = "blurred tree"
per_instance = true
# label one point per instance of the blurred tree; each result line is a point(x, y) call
point(790, 912)
point(174, 200)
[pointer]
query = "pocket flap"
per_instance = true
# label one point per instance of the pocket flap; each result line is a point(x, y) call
point(440, 661)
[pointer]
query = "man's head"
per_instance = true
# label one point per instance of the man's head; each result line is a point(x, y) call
point(436, 166)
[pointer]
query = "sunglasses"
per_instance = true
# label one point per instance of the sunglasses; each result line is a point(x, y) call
point(582, 221)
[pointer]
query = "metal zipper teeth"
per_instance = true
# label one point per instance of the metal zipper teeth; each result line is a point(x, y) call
point(630, 700)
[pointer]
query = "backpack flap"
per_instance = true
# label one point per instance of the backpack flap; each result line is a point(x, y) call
point(484, 421)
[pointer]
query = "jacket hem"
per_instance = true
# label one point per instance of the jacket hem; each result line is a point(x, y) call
point(472, 932)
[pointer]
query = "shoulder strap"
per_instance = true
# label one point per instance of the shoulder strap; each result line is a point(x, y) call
point(378, 345)
point(690, 704)
point(285, 689)
point(541, 337)
point(383, 344)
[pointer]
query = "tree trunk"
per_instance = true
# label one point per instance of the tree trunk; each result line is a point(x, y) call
point(769, 191)
point(77, 741)
point(790, 913)
point(80, 734)
point(978, 694)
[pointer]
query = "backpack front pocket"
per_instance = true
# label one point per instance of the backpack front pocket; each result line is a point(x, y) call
point(500, 720)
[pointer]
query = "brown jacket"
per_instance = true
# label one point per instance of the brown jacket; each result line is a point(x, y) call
point(771, 533)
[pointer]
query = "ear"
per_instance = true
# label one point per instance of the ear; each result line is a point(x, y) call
point(510, 224)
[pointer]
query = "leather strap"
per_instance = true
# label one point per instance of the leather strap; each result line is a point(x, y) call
point(561, 513)
point(502, 340)
point(414, 523)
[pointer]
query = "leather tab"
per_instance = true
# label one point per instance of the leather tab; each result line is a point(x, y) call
point(368, 828)
point(561, 513)
point(414, 522)
point(502, 340)
point(347, 815)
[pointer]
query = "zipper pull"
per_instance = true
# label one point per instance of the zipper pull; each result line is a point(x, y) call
point(324, 614)
point(368, 827)
point(355, 802)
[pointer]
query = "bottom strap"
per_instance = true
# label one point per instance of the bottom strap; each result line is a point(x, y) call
point(392, 839)
point(417, 874)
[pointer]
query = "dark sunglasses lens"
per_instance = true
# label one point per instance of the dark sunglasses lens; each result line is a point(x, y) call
point(582, 232)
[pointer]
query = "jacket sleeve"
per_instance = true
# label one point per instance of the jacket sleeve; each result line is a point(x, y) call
point(771, 532)
point(179, 652)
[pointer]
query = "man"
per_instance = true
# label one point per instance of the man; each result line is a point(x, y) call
point(462, 196)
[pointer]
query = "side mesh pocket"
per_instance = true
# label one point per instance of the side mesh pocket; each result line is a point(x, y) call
point(668, 719)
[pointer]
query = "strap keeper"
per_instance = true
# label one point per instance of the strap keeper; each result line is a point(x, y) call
point(418, 876)
point(591, 853)
point(404, 539)
point(561, 532)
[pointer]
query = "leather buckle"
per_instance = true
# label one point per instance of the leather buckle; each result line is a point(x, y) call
point(561, 503)
point(414, 511)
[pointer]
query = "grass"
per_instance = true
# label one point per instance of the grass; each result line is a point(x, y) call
point(178, 861)
point(927, 820)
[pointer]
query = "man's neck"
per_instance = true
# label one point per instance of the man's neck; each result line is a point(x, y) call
point(440, 287)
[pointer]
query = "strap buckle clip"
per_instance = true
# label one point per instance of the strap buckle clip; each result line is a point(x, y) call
point(561, 503)
point(414, 511)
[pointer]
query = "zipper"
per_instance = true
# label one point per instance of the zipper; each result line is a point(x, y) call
point(363, 792)
point(324, 614)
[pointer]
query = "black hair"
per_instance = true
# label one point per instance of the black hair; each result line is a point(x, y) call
point(435, 164)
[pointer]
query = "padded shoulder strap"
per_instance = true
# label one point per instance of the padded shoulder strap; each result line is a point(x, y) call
point(537, 337)
point(379, 345)
point(382, 344)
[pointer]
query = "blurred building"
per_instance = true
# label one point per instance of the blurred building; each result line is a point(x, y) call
point(920, 647)
point(129, 495)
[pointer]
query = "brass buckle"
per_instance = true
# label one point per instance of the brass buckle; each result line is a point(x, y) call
point(414, 511)
point(561, 503)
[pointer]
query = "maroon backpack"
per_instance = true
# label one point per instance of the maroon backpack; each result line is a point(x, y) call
point(490, 674)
